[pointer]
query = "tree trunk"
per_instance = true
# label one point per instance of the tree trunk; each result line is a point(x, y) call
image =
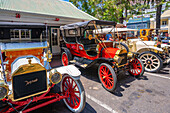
point(121, 18)
point(158, 15)
point(125, 13)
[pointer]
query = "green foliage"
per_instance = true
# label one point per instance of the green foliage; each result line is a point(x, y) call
point(114, 10)
point(103, 9)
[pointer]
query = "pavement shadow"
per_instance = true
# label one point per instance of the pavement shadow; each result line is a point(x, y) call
point(88, 109)
point(165, 69)
point(123, 82)
point(123, 79)
point(90, 73)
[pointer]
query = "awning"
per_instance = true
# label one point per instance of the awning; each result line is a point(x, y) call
point(88, 23)
point(107, 30)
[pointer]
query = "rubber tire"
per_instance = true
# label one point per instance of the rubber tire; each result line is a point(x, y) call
point(143, 69)
point(113, 75)
point(83, 96)
point(161, 62)
point(64, 49)
point(62, 56)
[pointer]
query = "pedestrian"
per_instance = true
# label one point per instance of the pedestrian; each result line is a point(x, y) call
point(108, 36)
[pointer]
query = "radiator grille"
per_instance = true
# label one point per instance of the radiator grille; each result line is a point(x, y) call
point(124, 60)
point(29, 84)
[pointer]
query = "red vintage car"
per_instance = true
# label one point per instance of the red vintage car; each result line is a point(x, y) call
point(85, 47)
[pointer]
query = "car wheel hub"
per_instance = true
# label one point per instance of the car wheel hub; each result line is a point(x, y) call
point(149, 61)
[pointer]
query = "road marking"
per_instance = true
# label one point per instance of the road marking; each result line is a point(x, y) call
point(158, 75)
point(100, 103)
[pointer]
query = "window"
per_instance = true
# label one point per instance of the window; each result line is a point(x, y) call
point(164, 23)
point(20, 34)
point(72, 32)
point(54, 34)
point(44, 34)
point(14, 34)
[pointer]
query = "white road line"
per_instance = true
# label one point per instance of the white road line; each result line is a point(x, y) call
point(158, 75)
point(100, 103)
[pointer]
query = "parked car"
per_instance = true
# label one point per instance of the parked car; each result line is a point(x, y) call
point(165, 40)
point(27, 79)
point(84, 48)
point(148, 35)
point(153, 53)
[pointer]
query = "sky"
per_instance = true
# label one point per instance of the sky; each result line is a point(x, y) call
point(65, 0)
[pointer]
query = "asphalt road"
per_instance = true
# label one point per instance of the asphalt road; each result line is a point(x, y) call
point(148, 94)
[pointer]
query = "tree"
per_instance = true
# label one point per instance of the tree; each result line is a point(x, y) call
point(112, 10)
point(158, 9)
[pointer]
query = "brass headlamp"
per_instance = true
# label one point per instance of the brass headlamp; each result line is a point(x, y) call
point(117, 59)
point(55, 77)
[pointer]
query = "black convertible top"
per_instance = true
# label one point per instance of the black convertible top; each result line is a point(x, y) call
point(85, 24)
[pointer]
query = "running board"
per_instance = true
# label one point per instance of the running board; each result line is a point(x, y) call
point(78, 63)
point(82, 62)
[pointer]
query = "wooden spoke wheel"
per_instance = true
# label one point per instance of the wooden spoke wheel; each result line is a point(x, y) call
point(64, 59)
point(152, 62)
point(76, 100)
point(136, 68)
point(107, 77)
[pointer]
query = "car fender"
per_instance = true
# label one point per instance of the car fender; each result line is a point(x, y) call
point(70, 70)
point(165, 45)
point(142, 49)
point(67, 52)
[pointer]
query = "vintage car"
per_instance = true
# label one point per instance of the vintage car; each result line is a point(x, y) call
point(84, 48)
point(147, 35)
point(152, 53)
point(165, 40)
point(27, 79)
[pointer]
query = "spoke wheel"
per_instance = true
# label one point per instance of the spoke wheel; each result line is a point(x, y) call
point(107, 77)
point(64, 59)
point(136, 67)
point(74, 88)
point(152, 62)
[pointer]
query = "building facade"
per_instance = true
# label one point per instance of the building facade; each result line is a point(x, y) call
point(165, 22)
point(139, 23)
point(31, 20)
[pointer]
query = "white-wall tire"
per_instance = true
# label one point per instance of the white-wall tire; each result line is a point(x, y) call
point(79, 88)
point(151, 61)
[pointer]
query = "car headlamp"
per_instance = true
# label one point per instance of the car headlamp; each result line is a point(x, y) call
point(55, 77)
point(3, 90)
point(130, 55)
point(117, 59)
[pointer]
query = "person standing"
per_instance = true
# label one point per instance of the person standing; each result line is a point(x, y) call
point(108, 36)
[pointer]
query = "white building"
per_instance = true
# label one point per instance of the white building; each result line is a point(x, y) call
point(37, 19)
